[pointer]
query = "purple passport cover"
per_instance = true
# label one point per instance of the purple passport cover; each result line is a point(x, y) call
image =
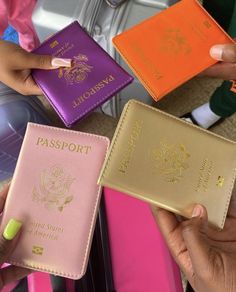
point(93, 78)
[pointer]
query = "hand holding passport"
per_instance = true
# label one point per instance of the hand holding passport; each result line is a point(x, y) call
point(195, 246)
point(93, 78)
point(170, 163)
point(171, 47)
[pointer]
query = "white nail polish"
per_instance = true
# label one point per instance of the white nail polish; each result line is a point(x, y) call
point(60, 62)
point(216, 52)
point(197, 211)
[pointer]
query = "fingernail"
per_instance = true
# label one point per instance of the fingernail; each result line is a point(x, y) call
point(60, 62)
point(216, 52)
point(197, 211)
point(12, 228)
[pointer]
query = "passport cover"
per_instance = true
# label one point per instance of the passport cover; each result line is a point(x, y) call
point(54, 192)
point(93, 78)
point(171, 47)
point(170, 163)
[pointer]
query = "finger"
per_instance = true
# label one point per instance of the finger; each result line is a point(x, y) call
point(193, 231)
point(3, 196)
point(24, 60)
point(8, 239)
point(31, 88)
point(172, 232)
point(225, 53)
point(232, 206)
point(12, 273)
point(22, 82)
point(167, 221)
point(225, 71)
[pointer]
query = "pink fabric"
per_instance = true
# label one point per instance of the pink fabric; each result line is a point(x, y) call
point(140, 258)
point(38, 282)
point(18, 14)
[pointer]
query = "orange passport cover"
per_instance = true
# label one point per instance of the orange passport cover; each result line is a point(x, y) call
point(171, 47)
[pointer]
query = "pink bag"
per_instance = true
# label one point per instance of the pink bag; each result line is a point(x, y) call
point(38, 282)
point(140, 259)
point(18, 14)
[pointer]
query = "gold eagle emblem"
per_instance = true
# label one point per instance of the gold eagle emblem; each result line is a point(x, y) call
point(170, 160)
point(53, 189)
point(175, 43)
point(78, 71)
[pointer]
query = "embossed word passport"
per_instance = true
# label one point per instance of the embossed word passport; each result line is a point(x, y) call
point(54, 193)
point(171, 47)
point(93, 78)
point(170, 163)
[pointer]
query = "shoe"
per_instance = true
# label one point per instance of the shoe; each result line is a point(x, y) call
point(188, 117)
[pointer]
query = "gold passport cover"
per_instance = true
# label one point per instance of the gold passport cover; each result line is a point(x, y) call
point(170, 163)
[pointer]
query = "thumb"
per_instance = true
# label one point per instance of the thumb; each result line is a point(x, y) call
point(193, 232)
point(225, 53)
point(7, 242)
point(28, 60)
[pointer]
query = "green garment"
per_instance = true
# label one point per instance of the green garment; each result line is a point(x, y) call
point(223, 100)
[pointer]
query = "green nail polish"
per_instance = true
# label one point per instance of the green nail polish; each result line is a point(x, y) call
point(12, 228)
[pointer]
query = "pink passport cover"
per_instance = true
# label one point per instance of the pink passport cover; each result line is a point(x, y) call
point(140, 258)
point(54, 192)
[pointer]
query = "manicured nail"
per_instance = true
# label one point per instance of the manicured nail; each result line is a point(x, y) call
point(12, 228)
point(60, 62)
point(216, 52)
point(197, 211)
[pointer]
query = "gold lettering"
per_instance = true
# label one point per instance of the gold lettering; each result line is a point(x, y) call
point(40, 140)
point(54, 44)
point(88, 148)
point(52, 143)
point(45, 142)
point(80, 148)
point(205, 173)
point(93, 90)
point(54, 228)
point(63, 145)
point(73, 147)
point(86, 95)
point(74, 104)
point(128, 153)
point(111, 78)
point(57, 145)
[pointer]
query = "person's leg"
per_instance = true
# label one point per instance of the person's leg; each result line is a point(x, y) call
point(222, 103)
point(220, 10)
point(223, 100)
